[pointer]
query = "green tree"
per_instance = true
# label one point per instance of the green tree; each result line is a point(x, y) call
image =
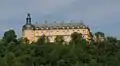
point(10, 36)
point(42, 40)
point(59, 39)
point(99, 37)
point(76, 38)
point(9, 57)
point(3, 62)
point(18, 52)
point(23, 40)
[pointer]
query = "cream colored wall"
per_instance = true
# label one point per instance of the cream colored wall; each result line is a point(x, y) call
point(60, 32)
point(29, 34)
point(34, 35)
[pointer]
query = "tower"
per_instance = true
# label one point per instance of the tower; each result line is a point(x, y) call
point(28, 19)
point(28, 29)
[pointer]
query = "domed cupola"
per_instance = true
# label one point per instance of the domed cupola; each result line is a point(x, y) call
point(28, 25)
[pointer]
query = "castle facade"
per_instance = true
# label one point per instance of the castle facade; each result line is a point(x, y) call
point(33, 31)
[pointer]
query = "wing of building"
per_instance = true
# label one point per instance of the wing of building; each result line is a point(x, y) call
point(33, 31)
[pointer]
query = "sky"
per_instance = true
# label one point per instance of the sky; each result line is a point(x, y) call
point(99, 15)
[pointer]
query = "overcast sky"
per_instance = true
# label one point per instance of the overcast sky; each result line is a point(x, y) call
point(100, 15)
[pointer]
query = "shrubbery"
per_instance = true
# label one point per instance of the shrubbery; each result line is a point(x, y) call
point(18, 52)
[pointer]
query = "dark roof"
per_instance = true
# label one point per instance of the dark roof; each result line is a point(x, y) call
point(54, 25)
point(28, 27)
point(59, 25)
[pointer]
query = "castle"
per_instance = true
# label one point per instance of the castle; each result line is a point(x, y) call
point(33, 31)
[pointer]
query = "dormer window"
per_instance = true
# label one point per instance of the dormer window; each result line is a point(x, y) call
point(41, 28)
point(37, 28)
point(73, 27)
point(83, 26)
point(57, 28)
point(67, 27)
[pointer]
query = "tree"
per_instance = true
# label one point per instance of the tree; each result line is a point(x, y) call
point(23, 40)
point(9, 57)
point(42, 40)
point(77, 38)
point(3, 62)
point(10, 36)
point(99, 37)
point(77, 53)
point(99, 34)
point(59, 39)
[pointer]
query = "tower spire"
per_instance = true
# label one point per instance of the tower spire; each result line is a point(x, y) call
point(28, 19)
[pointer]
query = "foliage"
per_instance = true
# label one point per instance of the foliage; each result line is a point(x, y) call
point(18, 52)
point(9, 36)
point(59, 39)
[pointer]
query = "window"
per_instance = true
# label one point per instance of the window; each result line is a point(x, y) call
point(32, 33)
point(83, 30)
point(37, 28)
point(83, 36)
point(41, 28)
point(51, 37)
point(41, 31)
point(67, 31)
point(67, 27)
point(36, 32)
